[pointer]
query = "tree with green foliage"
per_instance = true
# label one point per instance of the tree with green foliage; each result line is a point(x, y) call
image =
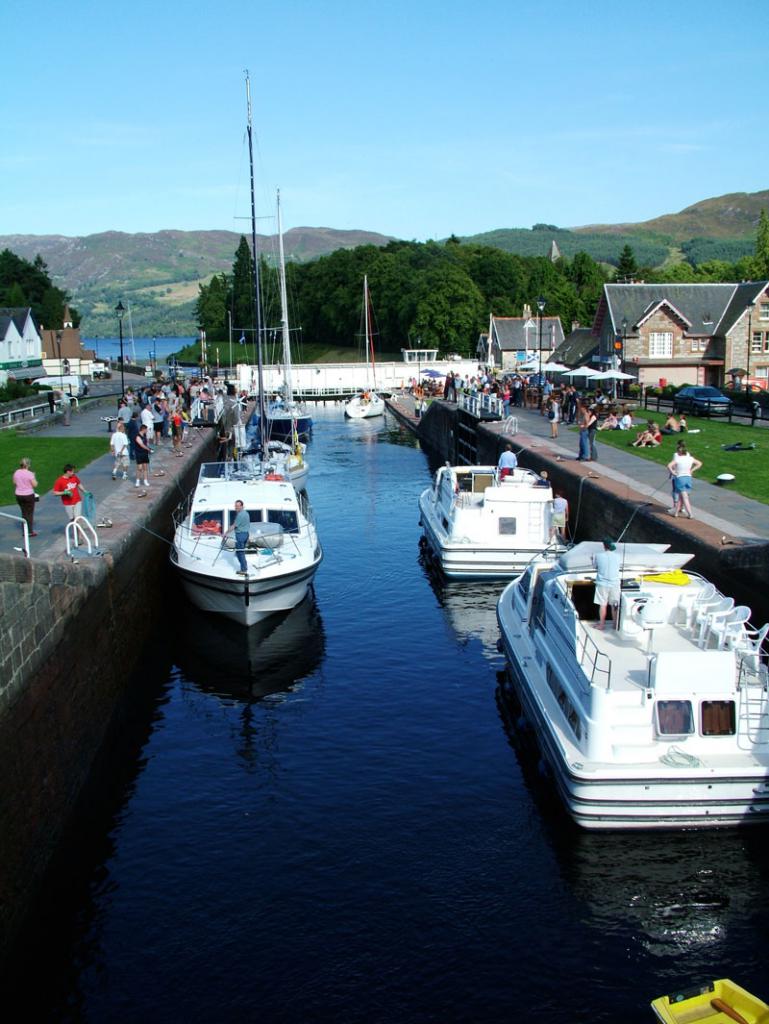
point(627, 269)
point(762, 248)
point(211, 308)
point(243, 291)
point(449, 311)
point(28, 284)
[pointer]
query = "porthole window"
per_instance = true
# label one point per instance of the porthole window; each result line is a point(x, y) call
point(674, 718)
point(718, 718)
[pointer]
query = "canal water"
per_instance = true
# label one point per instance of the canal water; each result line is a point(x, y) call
point(332, 818)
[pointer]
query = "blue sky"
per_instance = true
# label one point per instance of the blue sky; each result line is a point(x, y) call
point(414, 119)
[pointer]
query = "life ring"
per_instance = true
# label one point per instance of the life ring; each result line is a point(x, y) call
point(274, 476)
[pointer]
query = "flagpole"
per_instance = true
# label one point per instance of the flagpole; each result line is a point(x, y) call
point(229, 318)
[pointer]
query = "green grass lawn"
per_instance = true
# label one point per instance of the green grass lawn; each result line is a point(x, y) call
point(751, 469)
point(48, 455)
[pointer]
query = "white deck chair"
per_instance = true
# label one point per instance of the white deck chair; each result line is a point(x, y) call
point(732, 624)
point(707, 594)
point(748, 646)
point(717, 605)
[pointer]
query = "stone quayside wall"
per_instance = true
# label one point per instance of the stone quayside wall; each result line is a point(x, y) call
point(605, 506)
point(71, 637)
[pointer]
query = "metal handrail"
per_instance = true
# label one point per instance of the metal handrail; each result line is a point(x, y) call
point(24, 528)
point(77, 528)
point(588, 654)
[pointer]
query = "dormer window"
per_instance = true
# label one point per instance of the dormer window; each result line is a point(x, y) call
point(763, 311)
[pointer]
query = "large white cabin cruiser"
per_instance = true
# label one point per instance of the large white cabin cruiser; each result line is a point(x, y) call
point(478, 526)
point(283, 551)
point(662, 722)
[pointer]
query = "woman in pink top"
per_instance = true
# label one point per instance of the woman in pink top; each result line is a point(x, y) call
point(24, 483)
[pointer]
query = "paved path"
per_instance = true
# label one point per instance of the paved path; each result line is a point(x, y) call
point(719, 507)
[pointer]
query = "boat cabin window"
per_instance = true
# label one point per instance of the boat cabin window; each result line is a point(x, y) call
point(256, 515)
point(211, 521)
point(481, 481)
point(718, 718)
point(507, 525)
point(286, 517)
point(674, 718)
point(524, 583)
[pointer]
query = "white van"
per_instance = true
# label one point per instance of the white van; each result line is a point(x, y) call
point(71, 383)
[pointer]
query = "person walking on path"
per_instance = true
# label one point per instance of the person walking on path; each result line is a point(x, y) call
point(70, 490)
point(25, 484)
point(554, 415)
point(240, 525)
point(142, 445)
point(132, 431)
point(682, 467)
point(592, 430)
point(118, 445)
point(583, 418)
point(607, 582)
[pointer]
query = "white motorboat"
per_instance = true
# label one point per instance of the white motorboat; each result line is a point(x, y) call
point(479, 526)
point(662, 722)
point(282, 553)
point(368, 403)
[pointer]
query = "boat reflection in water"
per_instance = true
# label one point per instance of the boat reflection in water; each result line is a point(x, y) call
point(220, 657)
point(469, 606)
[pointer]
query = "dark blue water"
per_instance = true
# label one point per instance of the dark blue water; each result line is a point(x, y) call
point(331, 820)
point(148, 348)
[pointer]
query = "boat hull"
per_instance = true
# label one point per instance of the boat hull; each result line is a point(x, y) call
point(625, 796)
point(281, 428)
point(243, 600)
point(358, 410)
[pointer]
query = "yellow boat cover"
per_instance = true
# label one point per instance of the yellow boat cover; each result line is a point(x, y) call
point(676, 577)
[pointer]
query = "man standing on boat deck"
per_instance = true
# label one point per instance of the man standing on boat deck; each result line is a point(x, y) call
point(507, 462)
point(241, 525)
point(607, 581)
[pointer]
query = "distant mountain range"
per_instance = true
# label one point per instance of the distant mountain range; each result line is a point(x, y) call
point(158, 273)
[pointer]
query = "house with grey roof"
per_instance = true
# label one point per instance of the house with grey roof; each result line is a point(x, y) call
point(20, 345)
point(686, 333)
point(515, 340)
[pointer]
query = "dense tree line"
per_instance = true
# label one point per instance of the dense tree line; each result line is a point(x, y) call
point(28, 284)
point(424, 294)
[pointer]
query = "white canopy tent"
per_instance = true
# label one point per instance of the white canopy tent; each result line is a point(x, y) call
point(613, 375)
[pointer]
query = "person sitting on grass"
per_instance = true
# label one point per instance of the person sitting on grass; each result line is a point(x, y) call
point(648, 438)
point(671, 425)
point(610, 423)
point(626, 420)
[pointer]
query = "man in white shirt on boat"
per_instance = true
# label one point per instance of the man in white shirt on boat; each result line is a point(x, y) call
point(607, 581)
point(508, 460)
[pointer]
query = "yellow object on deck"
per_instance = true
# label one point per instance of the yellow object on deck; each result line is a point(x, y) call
point(676, 577)
point(716, 1002)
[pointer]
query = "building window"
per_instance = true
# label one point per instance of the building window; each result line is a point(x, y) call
point(762, 372)
point(766, 341)
point(763, 313)
point(699, 344)
point(661, 344)
point(756, 342)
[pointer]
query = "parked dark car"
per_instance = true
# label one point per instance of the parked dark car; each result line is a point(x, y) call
point(702, 401)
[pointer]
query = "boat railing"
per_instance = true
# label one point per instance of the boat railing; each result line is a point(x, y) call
point(596, 664)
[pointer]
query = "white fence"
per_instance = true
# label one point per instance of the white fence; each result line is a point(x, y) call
point(347, 378)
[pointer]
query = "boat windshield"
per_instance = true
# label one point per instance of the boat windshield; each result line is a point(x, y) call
point(210, 521)
point(287, 518)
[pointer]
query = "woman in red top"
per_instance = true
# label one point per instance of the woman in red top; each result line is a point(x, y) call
point(25, 483)
point(70, 490)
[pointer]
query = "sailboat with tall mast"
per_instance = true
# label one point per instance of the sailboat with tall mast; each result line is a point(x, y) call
point(286, 419)
point(245, 543)
point(368, 403)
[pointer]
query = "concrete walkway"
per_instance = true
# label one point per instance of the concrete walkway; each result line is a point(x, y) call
point(115, 499)
point(721, 508)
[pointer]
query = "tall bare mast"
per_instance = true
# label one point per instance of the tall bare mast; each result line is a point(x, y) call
point(284, 314)
point(255, 278)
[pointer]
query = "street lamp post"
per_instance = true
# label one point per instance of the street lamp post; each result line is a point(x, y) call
point(540, 307)
point(120, 313)
point(750, 345)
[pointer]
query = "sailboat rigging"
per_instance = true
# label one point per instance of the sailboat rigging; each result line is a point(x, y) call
point(368, 403)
